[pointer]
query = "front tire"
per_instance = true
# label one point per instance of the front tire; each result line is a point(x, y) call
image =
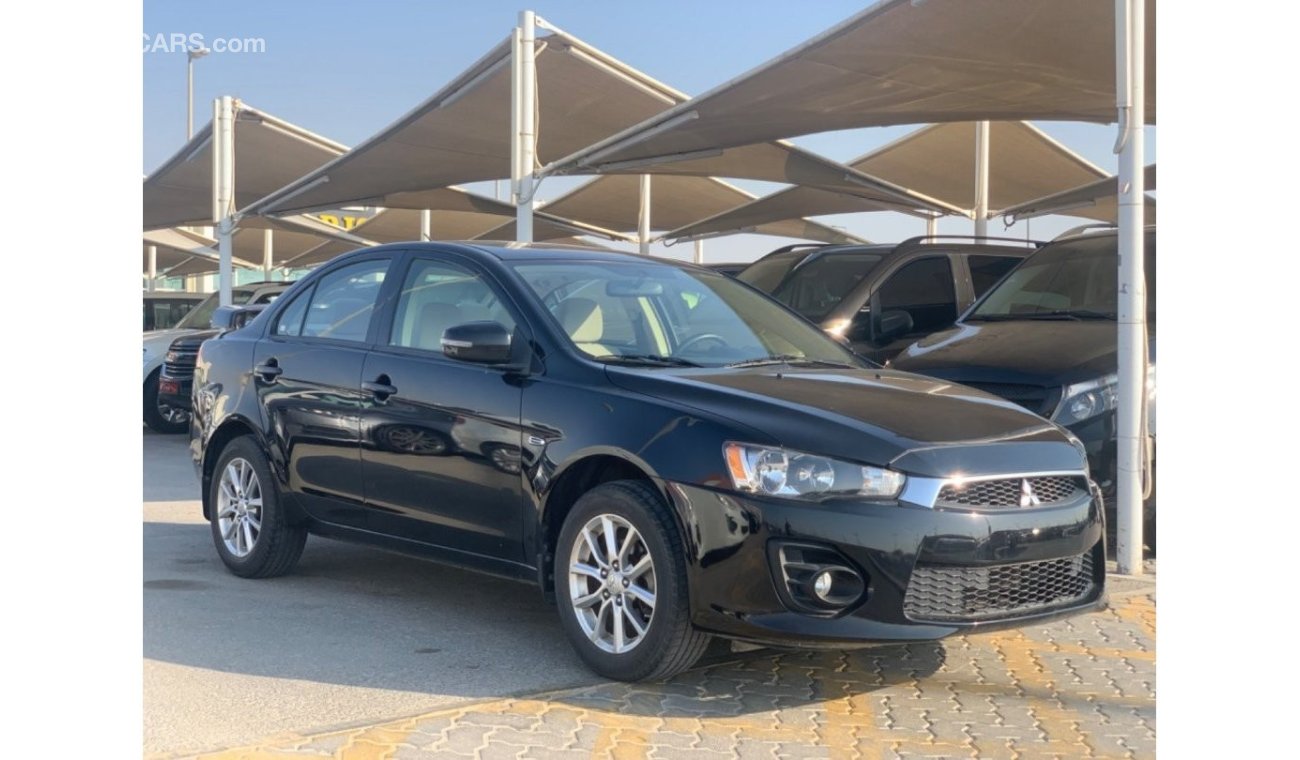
point(252, 533)
point(162, 418)
point(620, 585)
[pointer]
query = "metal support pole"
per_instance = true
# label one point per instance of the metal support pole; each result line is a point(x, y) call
point(426, 224)
point(699, 251)
point(981, 211)
point(189, 96)
point(932, 225)
point(643, 218)
point(223, 189)
point(268, 253)
point(1130, 58)
point(153, 268)
point(523, 137)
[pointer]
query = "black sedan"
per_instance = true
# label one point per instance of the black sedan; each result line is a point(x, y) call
point(665, 451)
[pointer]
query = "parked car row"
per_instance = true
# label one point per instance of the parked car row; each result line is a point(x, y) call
point(666, 452)
point(162, 414)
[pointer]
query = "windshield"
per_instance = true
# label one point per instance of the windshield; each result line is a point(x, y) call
point(200, 318)
point(818, 286)
point(661, 315)
point(768, 272)
point(1076, 279)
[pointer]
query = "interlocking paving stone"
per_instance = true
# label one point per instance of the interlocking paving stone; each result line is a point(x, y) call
point(1079, 688)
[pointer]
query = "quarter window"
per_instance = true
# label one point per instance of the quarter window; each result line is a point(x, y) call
point(290, 320)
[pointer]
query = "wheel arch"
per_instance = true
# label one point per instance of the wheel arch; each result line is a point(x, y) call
point(234, 426)
point(584, 471)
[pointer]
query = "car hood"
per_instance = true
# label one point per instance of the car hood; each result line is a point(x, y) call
point(1048, 353)
point(883, 417)
point(157, 341)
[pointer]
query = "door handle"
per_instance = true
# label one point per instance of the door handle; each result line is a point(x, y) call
point(268, 371)
point(381, 387)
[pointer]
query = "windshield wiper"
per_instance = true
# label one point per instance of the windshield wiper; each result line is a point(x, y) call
point(759, 361)
point(646, 359)
point(1057, 314)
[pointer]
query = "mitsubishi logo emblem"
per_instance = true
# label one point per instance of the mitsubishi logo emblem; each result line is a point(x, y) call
point(1027, 496)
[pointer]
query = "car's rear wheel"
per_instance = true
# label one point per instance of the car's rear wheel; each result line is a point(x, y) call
point(620, 585)
point(161, 417)
point(253, 535)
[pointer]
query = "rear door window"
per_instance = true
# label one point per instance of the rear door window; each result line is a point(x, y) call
point(344, 301)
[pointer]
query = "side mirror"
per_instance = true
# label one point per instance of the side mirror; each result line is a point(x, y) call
point(477, 342)
point(227, 318)
point(893, 324)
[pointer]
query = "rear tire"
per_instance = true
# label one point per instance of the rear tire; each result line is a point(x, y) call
point(162, 418)
point(251, 531)
point(646, 596)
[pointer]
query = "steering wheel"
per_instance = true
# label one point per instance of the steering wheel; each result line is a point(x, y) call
point(696, 339)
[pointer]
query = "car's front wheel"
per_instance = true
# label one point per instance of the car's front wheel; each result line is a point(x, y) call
point(161, 417)
point(253, 535)
point(620, 585)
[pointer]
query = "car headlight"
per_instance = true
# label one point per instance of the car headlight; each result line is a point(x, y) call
point(1083, 401)
point(781, 472)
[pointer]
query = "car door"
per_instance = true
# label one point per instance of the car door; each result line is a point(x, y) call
point(307, 373)
point(441, 438)
point(916, 299)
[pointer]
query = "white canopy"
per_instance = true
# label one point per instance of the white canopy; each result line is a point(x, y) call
point(462, 134)
point(903, 62)
point(1096, 200)
point(611, 202)
point(180, 252)
point(938, 161)
point(269, 153)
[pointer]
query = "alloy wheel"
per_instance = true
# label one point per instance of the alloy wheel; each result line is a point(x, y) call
point(612, 583)
point(239, 507)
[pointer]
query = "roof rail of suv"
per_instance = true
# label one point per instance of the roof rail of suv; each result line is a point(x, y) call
point(794, 247)
point(921, 241)
point(1085, 228)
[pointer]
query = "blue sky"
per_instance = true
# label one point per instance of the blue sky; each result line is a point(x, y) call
point(347, 69)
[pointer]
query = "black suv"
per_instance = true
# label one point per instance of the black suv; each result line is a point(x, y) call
point(667, 451)
point(1045, 338)
point(883, 297)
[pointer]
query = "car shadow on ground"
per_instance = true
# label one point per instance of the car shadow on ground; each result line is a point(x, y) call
point(357, 616)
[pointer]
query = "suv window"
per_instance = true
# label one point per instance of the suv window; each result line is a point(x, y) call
point(924, 290)
point(985, 271)
point(817, 287)
point(768, 272)
point(437, 295)
point(343, 302)
point(1070, 277)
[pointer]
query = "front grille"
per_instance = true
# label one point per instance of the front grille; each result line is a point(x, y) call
point(1036, 398)
point(946, 593)
point(1045, 491)
point(180, 363)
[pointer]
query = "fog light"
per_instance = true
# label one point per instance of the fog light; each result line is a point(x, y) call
point(822, 586)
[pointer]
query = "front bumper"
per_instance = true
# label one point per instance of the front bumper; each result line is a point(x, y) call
point(175, 392)
point(736, 582)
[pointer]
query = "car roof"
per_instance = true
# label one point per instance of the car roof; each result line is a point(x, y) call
point(920, 243)
point(175, 294)
point(511, 252)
